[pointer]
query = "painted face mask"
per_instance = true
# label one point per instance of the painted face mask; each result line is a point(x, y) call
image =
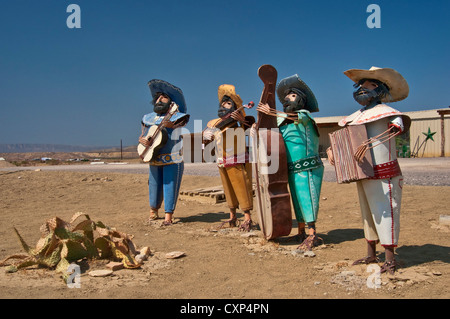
point(161, 107)
point(223, 111)
point(366, 96)
point(297, 104)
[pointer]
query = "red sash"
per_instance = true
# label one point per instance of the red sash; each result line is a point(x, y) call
point(386, 170)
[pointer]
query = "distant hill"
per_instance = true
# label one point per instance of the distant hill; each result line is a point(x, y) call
point(33, 148)
point(31, 152)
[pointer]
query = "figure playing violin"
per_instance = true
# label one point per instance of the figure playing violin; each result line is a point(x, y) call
point(228, 132)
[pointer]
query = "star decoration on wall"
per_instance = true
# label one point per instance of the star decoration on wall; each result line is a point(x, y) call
point(429, 135)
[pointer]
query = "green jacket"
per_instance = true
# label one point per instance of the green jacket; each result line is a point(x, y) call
point(301, 139)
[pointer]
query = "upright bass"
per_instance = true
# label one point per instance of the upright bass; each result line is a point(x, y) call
point(272, 196)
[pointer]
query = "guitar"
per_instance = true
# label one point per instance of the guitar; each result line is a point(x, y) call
point(157, 136)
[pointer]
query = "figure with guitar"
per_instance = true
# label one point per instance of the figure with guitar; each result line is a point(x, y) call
point(228, 132)
point(160, 146)
point(301, 138)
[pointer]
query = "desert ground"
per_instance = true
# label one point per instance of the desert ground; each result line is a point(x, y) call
point(223, 263)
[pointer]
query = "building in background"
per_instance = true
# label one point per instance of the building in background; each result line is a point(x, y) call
point(429, 135)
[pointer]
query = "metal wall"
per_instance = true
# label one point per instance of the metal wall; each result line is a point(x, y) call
point(421, 121)
point(324, 140)
point(430, 148)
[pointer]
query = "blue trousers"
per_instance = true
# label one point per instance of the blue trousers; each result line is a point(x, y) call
point(164, 184)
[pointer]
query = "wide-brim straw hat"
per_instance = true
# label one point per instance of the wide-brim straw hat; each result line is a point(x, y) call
point(230, 91)
point(294, 81)
point(175, 93)
point(396, 83)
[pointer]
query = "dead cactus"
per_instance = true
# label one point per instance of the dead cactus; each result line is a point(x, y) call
point(62, 243)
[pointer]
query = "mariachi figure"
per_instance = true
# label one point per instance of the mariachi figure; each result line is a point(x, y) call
point(166, 167)
point(380, 195)
point(301, 138)
point(228, 132)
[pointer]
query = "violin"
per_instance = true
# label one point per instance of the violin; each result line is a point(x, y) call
point(227, 121)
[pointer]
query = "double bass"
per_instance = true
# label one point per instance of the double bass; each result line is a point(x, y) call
point(273, 200)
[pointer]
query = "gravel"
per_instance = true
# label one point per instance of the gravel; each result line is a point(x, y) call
point(416, 171)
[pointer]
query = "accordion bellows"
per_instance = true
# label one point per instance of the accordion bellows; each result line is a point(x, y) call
point(344, 144)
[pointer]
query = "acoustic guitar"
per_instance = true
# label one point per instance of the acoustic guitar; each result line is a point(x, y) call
point(157, 136)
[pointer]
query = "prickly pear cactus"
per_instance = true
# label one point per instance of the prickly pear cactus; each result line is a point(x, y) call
point(62, 243)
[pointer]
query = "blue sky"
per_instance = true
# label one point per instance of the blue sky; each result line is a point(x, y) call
point(88, 86)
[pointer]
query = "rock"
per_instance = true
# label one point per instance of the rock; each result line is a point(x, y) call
point(414, 275)
point(318, 267)
point(145, 251)
point(174, 254)
point(298, 252)
point(100, 273)
point(444, 220)
point(140, 258)
point(309, 253)
point(114, 266)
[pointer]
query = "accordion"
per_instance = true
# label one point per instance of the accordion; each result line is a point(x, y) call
point(344, 144)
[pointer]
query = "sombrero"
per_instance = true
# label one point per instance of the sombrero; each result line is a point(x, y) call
point(295, 82)
point(175, 93)
point(396, 83)
point(230, 90)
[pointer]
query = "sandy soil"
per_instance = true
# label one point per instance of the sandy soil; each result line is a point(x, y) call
point(219, 264)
